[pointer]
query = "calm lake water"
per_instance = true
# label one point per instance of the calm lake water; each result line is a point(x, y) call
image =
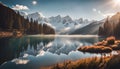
point(34, 52)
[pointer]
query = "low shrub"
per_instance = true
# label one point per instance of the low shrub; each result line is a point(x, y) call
point(95, 49)
point(110, 40)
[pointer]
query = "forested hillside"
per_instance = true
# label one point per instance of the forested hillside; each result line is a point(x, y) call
point(110, 28)
point(91, 29)
point(12, 21)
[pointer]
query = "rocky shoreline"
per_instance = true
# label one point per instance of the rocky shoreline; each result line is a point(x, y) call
point(101, 62)
point(105, 46)
point(10, 34)
point(108, 62)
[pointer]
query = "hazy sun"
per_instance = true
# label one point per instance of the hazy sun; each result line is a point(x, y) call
point(34, 2)
point(117, 2)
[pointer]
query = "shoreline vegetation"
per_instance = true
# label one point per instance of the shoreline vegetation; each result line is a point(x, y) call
point(10, 34)
point(5, 34)
point(98, 62)
point(12, 24)
point(105, 46)
point(107, 62)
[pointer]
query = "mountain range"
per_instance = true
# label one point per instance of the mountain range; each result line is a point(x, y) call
point(93, 28)
point(67, 25)
point(63, 25)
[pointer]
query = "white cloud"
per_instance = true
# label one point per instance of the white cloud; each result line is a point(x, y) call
point(108, 14)
point(50, 25)
point(34, 2)
point(94, 9)
point(49, 44)
point(20, 61)
point(20, 7)
point(41, 14)
point(23, 13)
point(25, 55)
point(101, 13)
point(97, 11)
point(41, 53)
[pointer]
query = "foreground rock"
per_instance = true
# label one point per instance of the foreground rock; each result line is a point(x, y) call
point(6, 34)
point(105, 46)
point(10, 34)
point(103, 62)
point(95, 49)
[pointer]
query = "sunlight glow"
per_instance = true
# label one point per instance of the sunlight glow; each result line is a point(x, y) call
point(34, 2)
point(117, 2)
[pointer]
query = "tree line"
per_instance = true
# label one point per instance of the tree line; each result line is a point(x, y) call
point(110, 29)
point(13, 21)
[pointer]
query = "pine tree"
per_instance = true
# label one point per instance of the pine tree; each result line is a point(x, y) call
point(117, 29)
point(10, 21)
point(100, 32)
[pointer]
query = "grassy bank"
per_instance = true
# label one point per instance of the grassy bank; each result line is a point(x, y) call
point(87, 63)
point(109, 62)
point(103, 62)
point(10, 34)
point(6, 34)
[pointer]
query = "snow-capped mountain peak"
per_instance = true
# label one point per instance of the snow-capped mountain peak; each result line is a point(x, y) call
point(23, 14)
point(61, 24)
point(40, 14)
point(67, 17)
point(37, 16)
point(58, 16)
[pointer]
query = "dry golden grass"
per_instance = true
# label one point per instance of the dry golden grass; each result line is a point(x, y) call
point(95, 49)
point(110, 40)
point(107, 62)
point(87, 63)
point(113, 63)
point(105, 46)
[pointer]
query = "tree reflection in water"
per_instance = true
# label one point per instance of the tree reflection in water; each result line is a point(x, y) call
point(11, 48)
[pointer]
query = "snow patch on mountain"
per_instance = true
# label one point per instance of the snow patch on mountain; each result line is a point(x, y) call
point(62, 25)
point(23, 14)
point(37, 16)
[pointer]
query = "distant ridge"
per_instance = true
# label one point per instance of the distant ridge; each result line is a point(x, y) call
point(89, 29)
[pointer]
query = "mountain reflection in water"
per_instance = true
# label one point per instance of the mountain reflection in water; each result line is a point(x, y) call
point(37, 51)
point(13, 47)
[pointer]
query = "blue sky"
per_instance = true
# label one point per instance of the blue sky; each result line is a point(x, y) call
point(87, 9)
